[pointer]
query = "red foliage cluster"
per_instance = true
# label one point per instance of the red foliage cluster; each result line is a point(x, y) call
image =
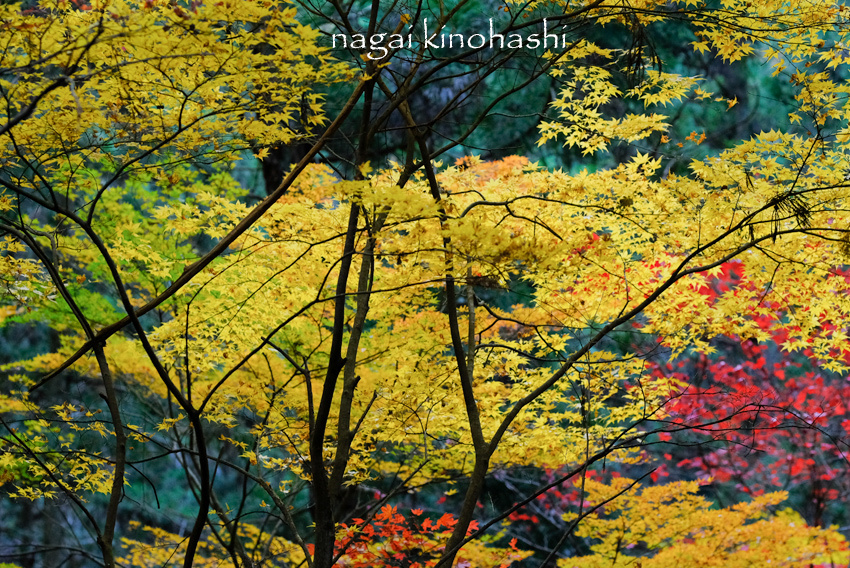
point(390, 539)
point(753, 418)
point(777, 420)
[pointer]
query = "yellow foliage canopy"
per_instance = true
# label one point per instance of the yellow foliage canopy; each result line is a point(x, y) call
point(670, 525)
point(332, 336)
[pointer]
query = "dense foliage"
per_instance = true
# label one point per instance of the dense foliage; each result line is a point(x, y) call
point(405, 353)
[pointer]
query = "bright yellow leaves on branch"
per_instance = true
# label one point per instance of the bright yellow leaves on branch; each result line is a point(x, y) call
point(579, 103)
point(155, 547)
point(125, 80)
point(802, 39)
point(671, 526)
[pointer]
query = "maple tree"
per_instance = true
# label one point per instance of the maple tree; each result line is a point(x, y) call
point(676, 526)
point(790, 422)
point(302, 369)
